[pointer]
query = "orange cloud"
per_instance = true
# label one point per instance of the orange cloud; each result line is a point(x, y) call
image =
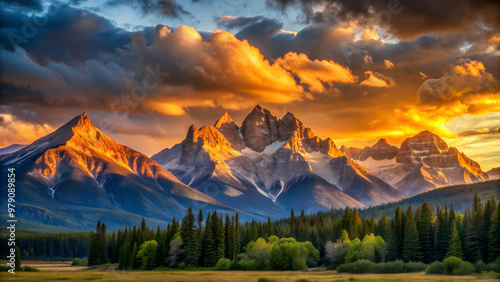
point(375, 79)
point(388, 64)
point(14, 131)
point(466, 79)
point(315, 73)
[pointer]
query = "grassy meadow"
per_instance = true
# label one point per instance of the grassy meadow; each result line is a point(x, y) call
point(60, 271)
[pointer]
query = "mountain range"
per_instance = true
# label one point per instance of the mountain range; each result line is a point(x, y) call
point(422, 163)
point(262, 168)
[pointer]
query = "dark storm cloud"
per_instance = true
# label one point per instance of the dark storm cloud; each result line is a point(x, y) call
point(30, 5)
point(162, 7)
point(403, 18)
point(233, 22)
point(63, 34)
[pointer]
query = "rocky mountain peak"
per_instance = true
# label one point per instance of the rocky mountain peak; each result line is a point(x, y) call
point(381, 142)
point(259, 129)
point(192, 134)
point(225, 118)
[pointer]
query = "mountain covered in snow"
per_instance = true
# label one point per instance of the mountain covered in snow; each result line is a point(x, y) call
point(272, 165)
point(422, 162)
point(77, 175)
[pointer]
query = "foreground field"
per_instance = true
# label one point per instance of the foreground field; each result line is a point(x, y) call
point(226, 276)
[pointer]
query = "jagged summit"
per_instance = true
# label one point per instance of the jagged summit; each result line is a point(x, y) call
point(225, 118)
point(381, 142)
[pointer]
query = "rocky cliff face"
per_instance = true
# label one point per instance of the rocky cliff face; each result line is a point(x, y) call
point(273, 157)
point(78, 167)
point(423, 162)
point(494, 173)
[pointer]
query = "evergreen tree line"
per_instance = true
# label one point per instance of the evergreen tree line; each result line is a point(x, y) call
point(412, 235)
point(49, 246)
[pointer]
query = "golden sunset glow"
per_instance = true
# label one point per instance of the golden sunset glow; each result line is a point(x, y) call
point(346, 74)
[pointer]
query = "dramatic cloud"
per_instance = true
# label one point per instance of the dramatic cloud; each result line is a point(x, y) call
point(315, 73)
point(403, 19)
point(351, 70)
point(163, 7)
point(18, 132)
point(467, 78)
point(472, 132)
point(388, 64)
point(465, 89)
point(375, 79)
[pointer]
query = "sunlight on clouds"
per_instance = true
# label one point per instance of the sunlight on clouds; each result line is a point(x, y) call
point(315, 73)
point(14, 131)
point(375, 79)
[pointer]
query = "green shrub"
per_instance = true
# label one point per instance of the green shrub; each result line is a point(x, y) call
point(80, 261)
point(366, 266)
point(30, 269)
point(435, 268)
point(464, 268)
point(302, 280)
point(451, 265)
point(415, 266)
point(263, 279)
point(181, 265)
point(481, 266)
point(360, 266)
point(246, 264)
point(223, 264)
point(4, 268)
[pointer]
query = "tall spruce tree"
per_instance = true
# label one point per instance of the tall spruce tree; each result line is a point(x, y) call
point(210, 254)
point(411, 246)
point(189, 236)
point(426, 233)
point(455, 244)
point(237, 238)
point(494, 236)
point(474, 230)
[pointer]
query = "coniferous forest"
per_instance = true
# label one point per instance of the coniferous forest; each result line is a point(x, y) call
point(331, 238)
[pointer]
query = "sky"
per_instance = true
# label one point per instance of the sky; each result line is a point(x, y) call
point(355, 71)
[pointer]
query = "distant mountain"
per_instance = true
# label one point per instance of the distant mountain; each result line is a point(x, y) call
point(460, 196)
point(423, 162)
point(11, 149)
point(77, 174)
point(494, 173)
point(272, 165)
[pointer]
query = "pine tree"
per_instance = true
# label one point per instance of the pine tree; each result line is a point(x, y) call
point(125, 254)
point(133, 264)
point(487, 222)
point(494, 237)
point(411, 246)
point(426, 233)
point(292, 224)
point(381, 229)
point(210, 255)
point(442, 233)
point(474, 230)
point(398, 231)
point(189, 235)
point(269, 228)
point(219, 237)
point(17, 254)
point(237, 238)
point(200, 219)
point(455, 245)
point(227, 235)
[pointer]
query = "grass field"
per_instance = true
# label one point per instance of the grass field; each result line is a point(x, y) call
point(59, 271)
